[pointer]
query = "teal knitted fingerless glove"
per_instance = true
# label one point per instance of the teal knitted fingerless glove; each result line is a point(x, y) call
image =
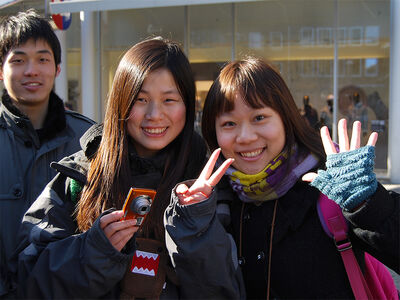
point(349, 178)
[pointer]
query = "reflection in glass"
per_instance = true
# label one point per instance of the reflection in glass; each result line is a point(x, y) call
point(324, 36)
point(355, 35)
point(371, 35)
point(371, 67)
point(307, 36)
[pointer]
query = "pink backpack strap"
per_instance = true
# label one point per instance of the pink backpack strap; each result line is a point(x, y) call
point(335, 225)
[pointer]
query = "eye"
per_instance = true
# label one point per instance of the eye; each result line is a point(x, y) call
point(44, 59)
point(140, 100)
point(16, 60)
point(170, 100)
point(259, 118)
point(228, 124)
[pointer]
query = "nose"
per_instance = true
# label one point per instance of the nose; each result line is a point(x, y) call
point(246, 134)
point(154, 111)
point(31, 69)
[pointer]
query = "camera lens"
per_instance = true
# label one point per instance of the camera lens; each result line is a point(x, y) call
point(141, 204)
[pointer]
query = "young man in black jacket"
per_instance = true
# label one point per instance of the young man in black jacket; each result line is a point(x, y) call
point(35, 129)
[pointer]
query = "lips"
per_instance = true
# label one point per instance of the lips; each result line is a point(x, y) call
point(251, 154)
point(32, 84)
point(154, 131)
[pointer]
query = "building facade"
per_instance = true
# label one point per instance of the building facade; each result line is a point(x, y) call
point(343, 48)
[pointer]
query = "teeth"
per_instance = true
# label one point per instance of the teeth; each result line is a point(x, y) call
point(251, 154)
point(155, 130)
point(33, 84)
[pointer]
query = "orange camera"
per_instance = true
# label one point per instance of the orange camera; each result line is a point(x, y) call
point(137, 204)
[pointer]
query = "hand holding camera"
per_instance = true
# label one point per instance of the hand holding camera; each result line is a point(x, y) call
point(137, 204)
point(119, 226)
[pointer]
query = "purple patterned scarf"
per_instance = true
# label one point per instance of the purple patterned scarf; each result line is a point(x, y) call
point(275, 180)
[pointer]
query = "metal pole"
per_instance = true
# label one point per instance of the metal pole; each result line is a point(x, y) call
point(186, 32)
point(88, 61)
point(233, 49)
point(61, 82)
point(335, 72)
point(394, 93)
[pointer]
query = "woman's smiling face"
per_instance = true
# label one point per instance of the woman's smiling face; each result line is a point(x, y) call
point(158, 115)
point(252, 136)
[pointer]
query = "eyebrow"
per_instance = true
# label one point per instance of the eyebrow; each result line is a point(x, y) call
point(171, 91)
point(19, 52)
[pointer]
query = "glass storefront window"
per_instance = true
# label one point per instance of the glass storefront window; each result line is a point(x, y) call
point(122, 29)
point(73, 41)
point(298, 37)
point(363, 84)
point(210, 33)
point(210, 46)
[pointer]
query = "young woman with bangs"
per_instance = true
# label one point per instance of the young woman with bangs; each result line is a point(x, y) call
point(75, 243)
point(257, 234)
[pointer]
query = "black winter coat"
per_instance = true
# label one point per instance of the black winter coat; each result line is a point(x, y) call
point(25, 157)
point(305, 262)
point(55, 259)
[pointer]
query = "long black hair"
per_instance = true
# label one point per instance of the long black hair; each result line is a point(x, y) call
point(109, 173)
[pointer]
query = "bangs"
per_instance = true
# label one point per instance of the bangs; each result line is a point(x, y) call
point(239, 80)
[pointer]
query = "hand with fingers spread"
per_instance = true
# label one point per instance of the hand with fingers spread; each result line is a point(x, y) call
point(349, 178)
point(203, 186)
point(118, 231)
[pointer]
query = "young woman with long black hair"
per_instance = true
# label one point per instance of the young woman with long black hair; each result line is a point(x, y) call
point(74, 242)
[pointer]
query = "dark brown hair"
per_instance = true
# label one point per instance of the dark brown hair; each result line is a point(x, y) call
point(109, 173)
point(260, 85)
point(17, 30)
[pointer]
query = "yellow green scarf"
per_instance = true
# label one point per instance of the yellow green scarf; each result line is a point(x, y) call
point(274, 180)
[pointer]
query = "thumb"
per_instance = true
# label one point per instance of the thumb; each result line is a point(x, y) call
point(309, 177)
point(182, 189)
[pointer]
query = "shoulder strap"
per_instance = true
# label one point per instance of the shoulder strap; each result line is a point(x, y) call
point(335, 225)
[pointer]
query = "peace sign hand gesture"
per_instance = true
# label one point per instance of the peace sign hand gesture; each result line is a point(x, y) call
point(204, 185)
point(349, 179)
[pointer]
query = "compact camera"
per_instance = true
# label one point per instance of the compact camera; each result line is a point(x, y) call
point(137, 204)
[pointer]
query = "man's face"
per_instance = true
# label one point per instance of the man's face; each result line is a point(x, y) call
point(28, 73)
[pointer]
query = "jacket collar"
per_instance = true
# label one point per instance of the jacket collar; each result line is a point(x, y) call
point(144, 165)
point(54, 123)
point(77, 165)
point(90, 140)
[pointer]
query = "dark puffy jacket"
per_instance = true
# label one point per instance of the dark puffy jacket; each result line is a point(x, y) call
point(25, 156)
point(305, 262)
point(58, 261)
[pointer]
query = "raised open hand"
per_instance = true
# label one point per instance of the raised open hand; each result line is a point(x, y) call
point(344, 145)
point(203, 186)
